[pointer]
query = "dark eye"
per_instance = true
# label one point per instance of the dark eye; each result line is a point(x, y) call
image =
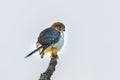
point(60, 27)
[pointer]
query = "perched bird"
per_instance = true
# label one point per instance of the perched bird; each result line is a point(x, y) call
point(50, 40)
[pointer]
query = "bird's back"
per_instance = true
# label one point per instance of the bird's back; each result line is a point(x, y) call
point(48, 36)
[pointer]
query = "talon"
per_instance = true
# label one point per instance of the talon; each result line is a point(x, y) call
point(54, 55)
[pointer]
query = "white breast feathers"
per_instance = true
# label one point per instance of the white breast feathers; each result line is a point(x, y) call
point(60, 43)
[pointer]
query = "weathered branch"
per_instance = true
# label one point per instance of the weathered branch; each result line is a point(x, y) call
point(51, 68)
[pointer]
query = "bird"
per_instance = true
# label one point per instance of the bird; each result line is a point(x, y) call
point(50, 40)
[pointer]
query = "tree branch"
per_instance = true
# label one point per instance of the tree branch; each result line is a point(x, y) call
point(51, 68)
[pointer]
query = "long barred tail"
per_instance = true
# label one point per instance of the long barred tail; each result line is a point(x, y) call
point(33, 52)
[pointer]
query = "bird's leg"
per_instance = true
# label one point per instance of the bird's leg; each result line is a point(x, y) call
point(54, 53)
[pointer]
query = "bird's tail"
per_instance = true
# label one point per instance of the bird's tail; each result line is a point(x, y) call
point(33, 52)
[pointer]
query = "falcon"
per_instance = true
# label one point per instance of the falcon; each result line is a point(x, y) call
point(50, 40)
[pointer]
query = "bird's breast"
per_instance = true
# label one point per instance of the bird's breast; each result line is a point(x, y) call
point(58, 45)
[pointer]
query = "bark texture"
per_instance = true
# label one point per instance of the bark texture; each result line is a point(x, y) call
point(51, 68)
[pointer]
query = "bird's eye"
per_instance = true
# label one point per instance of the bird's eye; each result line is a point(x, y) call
point(59, 26)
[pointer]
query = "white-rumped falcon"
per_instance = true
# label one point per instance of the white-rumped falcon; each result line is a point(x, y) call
point(50, 40)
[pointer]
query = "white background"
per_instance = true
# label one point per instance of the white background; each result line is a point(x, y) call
point(92, 39)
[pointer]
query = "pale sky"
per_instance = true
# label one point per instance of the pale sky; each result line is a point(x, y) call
point(92, 39)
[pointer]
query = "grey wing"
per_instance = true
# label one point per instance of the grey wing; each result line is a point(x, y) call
point(48, 36)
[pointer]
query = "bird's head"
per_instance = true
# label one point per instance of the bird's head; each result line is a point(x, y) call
point(58, 26)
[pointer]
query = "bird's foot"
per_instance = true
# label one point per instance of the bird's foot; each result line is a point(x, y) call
point(55, 56)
